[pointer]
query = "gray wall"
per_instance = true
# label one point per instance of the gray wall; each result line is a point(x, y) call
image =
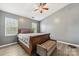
point(63, 24)
point(3, 39)
point(25, 24)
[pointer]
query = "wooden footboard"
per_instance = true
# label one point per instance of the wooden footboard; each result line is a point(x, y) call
point(39, 39)
point(34, 41)
point(28, 50)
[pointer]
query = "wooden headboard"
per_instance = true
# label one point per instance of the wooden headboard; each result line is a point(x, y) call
point(24, 30)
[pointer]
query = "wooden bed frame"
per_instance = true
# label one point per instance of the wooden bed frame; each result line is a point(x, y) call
point(33, 42)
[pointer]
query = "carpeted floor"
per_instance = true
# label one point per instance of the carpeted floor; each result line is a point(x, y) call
point(62, 50)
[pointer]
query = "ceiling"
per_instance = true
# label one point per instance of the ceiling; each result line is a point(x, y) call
point(27, 9)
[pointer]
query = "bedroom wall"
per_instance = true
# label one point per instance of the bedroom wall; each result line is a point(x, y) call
point(3, 39)
point(25, 24)
point(63, 24)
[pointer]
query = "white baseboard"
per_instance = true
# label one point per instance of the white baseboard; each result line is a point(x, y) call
point(69, 43)
point(8, 44)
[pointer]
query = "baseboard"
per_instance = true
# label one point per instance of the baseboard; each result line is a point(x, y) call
point(69, 43)
point(8, 44)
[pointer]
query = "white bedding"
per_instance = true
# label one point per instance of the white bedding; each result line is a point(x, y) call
point(24, 38)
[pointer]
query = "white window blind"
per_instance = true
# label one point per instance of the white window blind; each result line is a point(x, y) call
point(11, 26)
point(34, 27)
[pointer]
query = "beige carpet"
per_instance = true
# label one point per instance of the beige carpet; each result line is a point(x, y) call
point(62, 50)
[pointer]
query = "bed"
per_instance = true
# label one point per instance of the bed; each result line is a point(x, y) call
point(28, 40)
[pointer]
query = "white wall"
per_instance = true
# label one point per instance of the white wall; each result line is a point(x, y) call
point(64, 24)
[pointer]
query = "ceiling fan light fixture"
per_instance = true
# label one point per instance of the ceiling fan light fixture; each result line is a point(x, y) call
point(42, 7)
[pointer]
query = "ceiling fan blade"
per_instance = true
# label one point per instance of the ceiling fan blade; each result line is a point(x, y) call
point(35, 9)
point(41, 11)
point(45, 8)
point(44, 4)
point(40, 4)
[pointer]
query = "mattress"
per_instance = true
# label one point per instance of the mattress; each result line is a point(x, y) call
point(24, 38)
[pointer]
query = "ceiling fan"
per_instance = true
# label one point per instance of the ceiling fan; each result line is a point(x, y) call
point(42, 7)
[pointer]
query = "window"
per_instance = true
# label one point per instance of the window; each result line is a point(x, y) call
point(11, 26)
point(34, 27)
